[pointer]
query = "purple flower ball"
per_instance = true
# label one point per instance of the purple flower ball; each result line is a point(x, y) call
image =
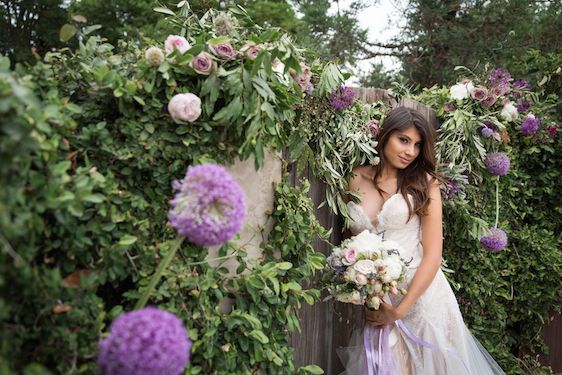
point(486, 132)
point(530, 125)
point(209, 207)
point(497, 163)
point(499, 76)
point(496, 241)
point(145, 342)
point(342, 98)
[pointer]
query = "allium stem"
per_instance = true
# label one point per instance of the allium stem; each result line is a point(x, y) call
point(158, 274)
point(497, 201)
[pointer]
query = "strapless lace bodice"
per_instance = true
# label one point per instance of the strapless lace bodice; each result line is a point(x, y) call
point(392, 224)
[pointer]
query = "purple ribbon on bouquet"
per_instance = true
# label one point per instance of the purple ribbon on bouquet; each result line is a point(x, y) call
point(377, 348)
point(379, 359)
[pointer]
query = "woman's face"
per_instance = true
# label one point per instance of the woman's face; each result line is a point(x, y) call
point(402, 148)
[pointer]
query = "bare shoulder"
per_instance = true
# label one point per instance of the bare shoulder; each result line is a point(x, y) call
point(360, 176)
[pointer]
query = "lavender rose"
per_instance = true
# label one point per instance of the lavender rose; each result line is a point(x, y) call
point(489, 101)
point(176, 42)
point(145, 342)
point(479, 93)
point(496, 241)
point(209, 207)
point(203, 63)
point(185, 107)
point(224, 50)
point(251, 50)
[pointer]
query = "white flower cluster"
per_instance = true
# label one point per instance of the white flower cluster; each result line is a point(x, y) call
point(366, 267)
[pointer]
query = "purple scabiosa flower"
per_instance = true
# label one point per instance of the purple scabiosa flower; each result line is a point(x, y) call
point(497, 163)
point(486, 132)
point(209, 207)
point(499, 76)
point(496, 241)
point(145, 342)
point(530, 124)
point(522, 85)
point(342, 98)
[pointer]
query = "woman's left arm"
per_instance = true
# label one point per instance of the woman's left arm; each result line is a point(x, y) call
point(432, 241)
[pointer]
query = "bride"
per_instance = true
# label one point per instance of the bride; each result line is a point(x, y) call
point(401, 201)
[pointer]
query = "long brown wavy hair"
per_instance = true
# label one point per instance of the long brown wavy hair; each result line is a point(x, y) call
point(414, 178)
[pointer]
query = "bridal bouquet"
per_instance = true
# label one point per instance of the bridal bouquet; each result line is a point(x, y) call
point(364, 268)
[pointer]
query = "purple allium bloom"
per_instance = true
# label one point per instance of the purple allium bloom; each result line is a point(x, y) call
point(523, 105)
point(486, 132)
point(496, 241)
point(530, 125)
point(450, 107)
point(145, 342)
point(497, 163)
point(499, 76)
point(342, 98)
point(209, 207)
point(522, 85)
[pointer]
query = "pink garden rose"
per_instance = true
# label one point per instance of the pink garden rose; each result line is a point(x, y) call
point(185, 107)
point(224, 50)
point(177, 42)
point(350, 257)
point(302, 79)
point(479, 93)
point(360, 279)
point(203, 63)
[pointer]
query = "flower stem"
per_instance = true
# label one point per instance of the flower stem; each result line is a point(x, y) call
point(497, 201)
point(158, 274)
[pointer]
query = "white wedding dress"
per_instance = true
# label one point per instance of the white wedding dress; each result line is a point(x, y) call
point(435, 318)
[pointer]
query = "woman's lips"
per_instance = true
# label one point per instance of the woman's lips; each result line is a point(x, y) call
point(404, 160)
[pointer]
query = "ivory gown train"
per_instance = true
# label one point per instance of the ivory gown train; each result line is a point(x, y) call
point(435, 317)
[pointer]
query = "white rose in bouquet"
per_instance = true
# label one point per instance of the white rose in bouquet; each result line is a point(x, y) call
point(366, 243)
point(364, 266)
point(393, 266)
point(360, 279)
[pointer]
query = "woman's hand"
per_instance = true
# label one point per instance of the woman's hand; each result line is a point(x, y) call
point(385, 315)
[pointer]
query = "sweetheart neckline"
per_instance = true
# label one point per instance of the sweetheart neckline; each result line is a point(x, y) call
point(379, 213)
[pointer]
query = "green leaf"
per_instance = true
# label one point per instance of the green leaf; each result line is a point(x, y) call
point(259, 335)
point(164, 11)
point(313, 369)
point(284, 266)
point(67, 31)
point(93, 198)
point(127, 240)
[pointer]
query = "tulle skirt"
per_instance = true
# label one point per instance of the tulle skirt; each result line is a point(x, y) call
point(432, 339)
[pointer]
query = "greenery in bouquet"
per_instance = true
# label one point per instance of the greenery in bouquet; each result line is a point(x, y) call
point(363, 269)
